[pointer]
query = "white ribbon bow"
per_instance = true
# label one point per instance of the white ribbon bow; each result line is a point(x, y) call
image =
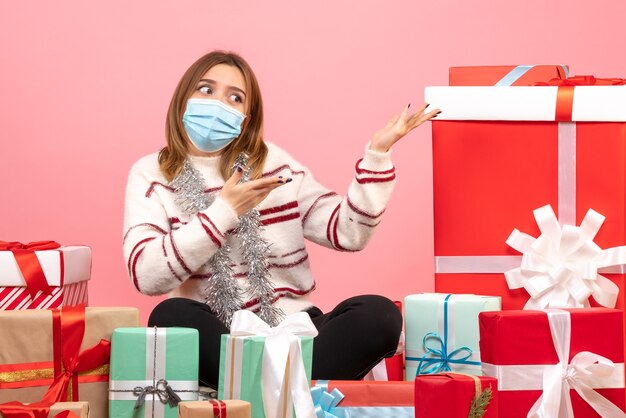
point(560, 268)
point(585, 370)
point(285, 385)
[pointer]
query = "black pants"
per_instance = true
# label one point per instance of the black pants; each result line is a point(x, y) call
point(352, 338)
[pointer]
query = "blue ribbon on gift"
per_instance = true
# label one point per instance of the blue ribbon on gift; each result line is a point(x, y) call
point(438, 360)
point(517, 72)
point(326, 403)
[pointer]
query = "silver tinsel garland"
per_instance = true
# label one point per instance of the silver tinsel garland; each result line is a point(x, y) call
point(222, 293)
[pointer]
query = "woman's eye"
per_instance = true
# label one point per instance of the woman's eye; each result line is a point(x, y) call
point(236, 98)
point(205, 90)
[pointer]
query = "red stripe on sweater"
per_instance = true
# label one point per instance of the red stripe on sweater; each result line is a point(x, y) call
point(210, 234)
point(132, 267)
point(203, 216)
point(177, 254)
point(278, 219)
point(328, 226)
point(282, 167)
point(153, 226)
point(280, 208)
point(336, 237)
point(288, 265)
point(163, 246)
point(156, 183)
point(362, 212)
point(286, 290)
point(130, 256)
point(293, 252)
point(324, 196)
point(375, 179)
point(362, 170)
point(169, 265)
point(369, 225)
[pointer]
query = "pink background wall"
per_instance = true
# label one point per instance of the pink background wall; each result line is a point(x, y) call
point(84, 88)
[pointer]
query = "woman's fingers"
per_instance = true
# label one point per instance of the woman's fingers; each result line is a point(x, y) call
point(235, 177)
point(267, 182)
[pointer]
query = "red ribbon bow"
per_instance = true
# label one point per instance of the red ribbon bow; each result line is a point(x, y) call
point(565, 93)
point(219, 408)
point(33, 410)
point(29, 265)
point(68, 332)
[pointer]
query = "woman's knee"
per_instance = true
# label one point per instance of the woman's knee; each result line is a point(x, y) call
point(382, 317)
point(169, 312)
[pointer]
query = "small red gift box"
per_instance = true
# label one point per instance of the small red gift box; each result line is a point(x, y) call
point(544, 358)
point(510, 75)
point(451, 395)
point(358, 398)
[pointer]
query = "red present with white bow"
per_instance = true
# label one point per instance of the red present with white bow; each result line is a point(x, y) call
point(555, 363)
point(43, 275)
point(501, 152)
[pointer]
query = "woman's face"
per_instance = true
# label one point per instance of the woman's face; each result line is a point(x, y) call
point(224, 83)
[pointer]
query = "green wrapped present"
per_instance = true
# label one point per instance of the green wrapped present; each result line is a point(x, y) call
point(269, 367)
point(152, 369)
point(442, 332)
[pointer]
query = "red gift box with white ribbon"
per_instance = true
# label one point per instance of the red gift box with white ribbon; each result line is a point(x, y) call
point(555, 362)
point(501, 152)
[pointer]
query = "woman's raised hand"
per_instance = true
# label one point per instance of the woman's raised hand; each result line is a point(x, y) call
point(243, 197)
point(400, 125)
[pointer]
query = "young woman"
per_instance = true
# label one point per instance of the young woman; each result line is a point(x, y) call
point(187, 207)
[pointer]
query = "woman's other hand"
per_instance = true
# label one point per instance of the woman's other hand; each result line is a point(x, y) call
point(399, 126)
point(243, 197)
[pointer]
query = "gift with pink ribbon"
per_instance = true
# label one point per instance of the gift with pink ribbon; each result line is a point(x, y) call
point(555, 363)
point(269, 367)
point(498, 153)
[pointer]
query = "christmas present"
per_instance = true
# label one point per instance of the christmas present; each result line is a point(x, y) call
point(59, 355)
point(360, 399)
point(152, 370)
point(454, 395)
point(42, 275)
point(499, 153)
point(214, 409)
point(555, 363)
point(268, 367)
point(442, 332)
point(505, 75)
point(42, 410)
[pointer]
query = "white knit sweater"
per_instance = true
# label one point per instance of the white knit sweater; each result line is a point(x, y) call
point(167, 251)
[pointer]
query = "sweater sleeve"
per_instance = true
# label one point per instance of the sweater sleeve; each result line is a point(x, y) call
point(157, 257)
point(348, 223)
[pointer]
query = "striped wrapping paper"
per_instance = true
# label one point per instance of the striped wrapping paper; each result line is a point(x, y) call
point(67, 269)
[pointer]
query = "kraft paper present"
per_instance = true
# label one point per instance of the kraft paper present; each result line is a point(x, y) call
point(27, 360)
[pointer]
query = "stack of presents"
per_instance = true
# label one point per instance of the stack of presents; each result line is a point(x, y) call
point(530, 255)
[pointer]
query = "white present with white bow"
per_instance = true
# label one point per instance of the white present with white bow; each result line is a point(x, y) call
point(269, 367)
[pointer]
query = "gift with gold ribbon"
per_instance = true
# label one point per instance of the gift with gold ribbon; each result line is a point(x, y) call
point(456, 395)
point(214, 408)
point(499, 153)
point(556, 363)
point(442, 332)
point(152, 371)
point(269, 367)
point(44, 410)
point(42, 275)
point(59, 355)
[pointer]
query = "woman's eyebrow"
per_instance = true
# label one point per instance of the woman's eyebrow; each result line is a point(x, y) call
point(208, 80)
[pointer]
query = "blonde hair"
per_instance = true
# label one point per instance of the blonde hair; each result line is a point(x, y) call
point(250, 141)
